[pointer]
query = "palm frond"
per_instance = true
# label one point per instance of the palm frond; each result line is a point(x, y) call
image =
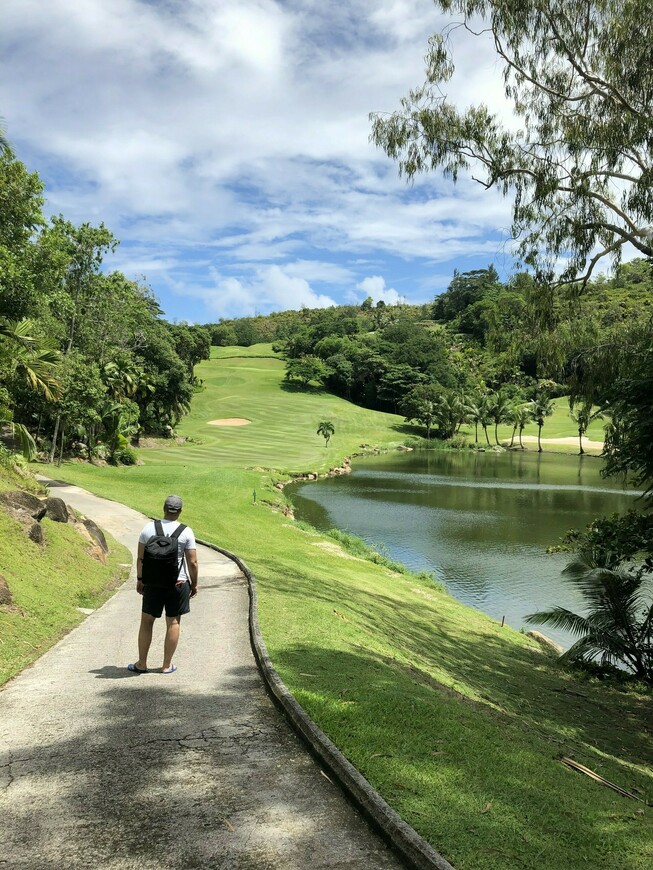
point(560, 617)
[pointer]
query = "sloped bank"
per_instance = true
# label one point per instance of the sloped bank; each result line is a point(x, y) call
point(54, 566)
point(413, 849)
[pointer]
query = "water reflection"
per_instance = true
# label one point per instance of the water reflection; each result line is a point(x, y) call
point(479, 521)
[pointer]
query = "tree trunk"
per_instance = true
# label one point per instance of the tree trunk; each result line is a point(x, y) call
point(520, 441)
point(476, 431)
point(539, 436)
point(63, 431)
point(54, 439)
point(487, 437)
point(580, 442)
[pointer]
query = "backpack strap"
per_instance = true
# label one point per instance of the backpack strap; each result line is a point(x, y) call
point(175, 535)
point(158, 528)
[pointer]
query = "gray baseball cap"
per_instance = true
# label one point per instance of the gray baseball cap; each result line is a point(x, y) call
point(172, 504)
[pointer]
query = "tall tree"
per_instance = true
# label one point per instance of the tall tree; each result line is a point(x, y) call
point(326, 429)
point(583, 415)
point(21, 201)
point(579, 162)
point(541, 407)
point(499, 411)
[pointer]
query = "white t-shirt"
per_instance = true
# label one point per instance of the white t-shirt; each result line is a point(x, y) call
point(185, 541)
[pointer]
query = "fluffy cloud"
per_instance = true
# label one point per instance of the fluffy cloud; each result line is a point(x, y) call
point(374, 286)
point(226, 142)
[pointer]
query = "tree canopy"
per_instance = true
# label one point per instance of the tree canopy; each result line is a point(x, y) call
point(578, 162)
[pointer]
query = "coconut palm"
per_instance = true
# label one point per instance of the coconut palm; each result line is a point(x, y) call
point(32, 358)
point(582, 417)
point(485, 408)
point(451, 412)
point(473, 412)
point(521, 416)
point(618, 627)
point(35, 360)
point(326, 429)
point(499, 411)
point(541, 408)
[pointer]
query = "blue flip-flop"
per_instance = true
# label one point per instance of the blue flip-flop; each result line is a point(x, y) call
point(170, 670)
point(136, 670)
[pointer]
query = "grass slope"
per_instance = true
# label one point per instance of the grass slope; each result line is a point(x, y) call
point(459, 723)
point(47, 585)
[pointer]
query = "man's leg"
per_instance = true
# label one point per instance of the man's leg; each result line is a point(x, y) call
point(173, 624)
point(144, 640)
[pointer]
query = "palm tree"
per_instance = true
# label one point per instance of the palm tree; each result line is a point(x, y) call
point(618, 628)
point(451, 412)
point(512, 418)
point(499, 411)
point(541, 407)
point(473, 412)
point(522, 415)
point(485, 409)
point(582, 417)
point(326, 429)
point(34, 359)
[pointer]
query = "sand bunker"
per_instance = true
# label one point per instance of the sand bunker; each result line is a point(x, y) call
point(230, 421)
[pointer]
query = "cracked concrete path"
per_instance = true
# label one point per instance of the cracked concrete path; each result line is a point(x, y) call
point(197, 769)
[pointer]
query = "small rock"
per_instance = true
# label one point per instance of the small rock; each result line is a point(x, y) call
point(5, 592)
point(25, 501)
point(36, 534)
point(97, 534)
point(56, 509)
point(545, 642)
point(96, 552)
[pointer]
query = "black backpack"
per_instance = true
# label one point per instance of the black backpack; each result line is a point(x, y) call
point(161, 563)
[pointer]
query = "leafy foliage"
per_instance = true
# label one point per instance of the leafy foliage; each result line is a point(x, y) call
point(86, 340)
point(618, 627)
point(580, 81)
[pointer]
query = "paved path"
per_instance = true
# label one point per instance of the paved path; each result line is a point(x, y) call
point(101, 768)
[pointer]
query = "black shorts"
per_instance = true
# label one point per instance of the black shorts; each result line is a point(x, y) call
point(175, 599)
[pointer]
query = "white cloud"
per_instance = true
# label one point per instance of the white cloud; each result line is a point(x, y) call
point(374, 286)
point(226, 141)
point(271, 288)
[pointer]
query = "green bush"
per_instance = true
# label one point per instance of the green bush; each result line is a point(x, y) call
point(126, 456)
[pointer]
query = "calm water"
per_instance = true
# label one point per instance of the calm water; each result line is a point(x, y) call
point(479, 521)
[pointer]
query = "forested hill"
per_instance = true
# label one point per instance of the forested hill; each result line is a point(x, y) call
point(482, 352)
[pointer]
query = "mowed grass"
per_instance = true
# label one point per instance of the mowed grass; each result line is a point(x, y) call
point(459, 723)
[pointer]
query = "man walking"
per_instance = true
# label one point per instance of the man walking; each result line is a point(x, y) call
point(175, 598)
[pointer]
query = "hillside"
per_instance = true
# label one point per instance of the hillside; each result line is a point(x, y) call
point(43, 586)
point(459, 723)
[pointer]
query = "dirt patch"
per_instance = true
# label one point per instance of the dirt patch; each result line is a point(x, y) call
point(336, 550)
point(572, 440)
point(230, 421)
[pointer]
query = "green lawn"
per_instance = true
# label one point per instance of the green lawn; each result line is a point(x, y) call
point(459, 723)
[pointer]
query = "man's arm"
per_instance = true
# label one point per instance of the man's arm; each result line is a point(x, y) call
point(139, 568)
point(193, 570)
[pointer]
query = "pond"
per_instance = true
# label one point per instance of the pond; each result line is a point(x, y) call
point(480, 522)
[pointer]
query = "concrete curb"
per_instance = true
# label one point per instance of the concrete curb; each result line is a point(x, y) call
point(413, 849)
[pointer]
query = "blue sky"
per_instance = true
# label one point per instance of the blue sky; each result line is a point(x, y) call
point(226, 144)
